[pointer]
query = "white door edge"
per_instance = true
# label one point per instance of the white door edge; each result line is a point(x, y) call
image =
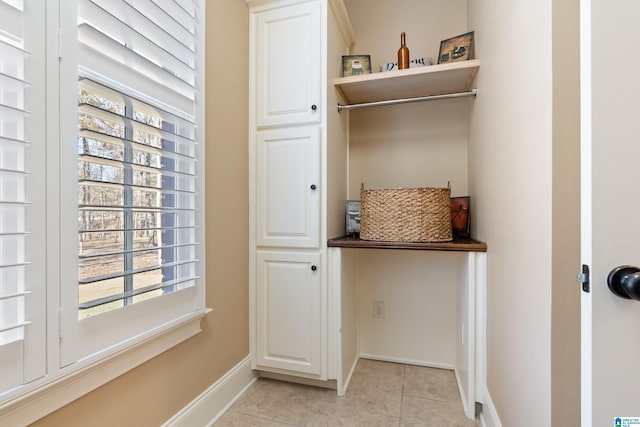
point(585, 205)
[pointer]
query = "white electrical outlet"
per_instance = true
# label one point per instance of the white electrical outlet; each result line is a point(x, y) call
point(378, 309)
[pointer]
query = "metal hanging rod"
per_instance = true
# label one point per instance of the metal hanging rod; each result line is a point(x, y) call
point(473, 92)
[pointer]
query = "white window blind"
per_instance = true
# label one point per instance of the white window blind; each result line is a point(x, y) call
point(99, 184)
point(13, 193)
point(136, 151)
point(21, 266)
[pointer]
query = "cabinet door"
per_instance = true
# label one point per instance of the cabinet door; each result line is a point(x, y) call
point(289, 319)
point(288, 62)
point(288, 192)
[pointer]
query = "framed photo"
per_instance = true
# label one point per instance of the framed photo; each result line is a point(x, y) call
point(352, 217)
point(460, 224)
point(356, 65)
point(458, 48)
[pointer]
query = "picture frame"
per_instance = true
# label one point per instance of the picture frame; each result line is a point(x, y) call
point(356, 65)
point(458, 48)
point(352, 217)
point(460, 216)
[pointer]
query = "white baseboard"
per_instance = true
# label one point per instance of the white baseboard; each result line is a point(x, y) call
point(205, 409)
point(345, 383)
point(426, 363)
point(489, 416)
point(468, 411)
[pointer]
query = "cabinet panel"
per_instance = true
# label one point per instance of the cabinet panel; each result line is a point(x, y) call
point(288, 65)
point(288, 192)
point(289, 298)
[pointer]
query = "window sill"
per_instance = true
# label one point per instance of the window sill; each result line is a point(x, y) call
point(52, 392)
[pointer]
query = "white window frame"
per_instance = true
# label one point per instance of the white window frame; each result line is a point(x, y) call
point(83, 366)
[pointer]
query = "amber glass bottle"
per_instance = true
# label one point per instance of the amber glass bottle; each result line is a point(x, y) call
point(403, 53)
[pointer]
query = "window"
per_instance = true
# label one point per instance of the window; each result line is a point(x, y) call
point(136, 148)
point(136, 196)
point(135, 164)
point(99, 238)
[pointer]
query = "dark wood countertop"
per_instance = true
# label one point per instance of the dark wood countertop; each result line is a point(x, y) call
point(456, 245)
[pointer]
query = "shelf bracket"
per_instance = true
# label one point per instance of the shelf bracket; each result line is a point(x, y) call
point(472, 92)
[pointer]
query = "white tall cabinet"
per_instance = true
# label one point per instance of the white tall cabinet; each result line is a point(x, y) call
point(296, 137)
point(305, 282)
point(287, 187)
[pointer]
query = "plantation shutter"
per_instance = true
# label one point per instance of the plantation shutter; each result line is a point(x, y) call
point(22, 264)
point(137, 151)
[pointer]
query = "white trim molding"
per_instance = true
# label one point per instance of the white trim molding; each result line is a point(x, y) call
point(426, 363)
point(53, 392)
point(344, 23)
point(207, 408)
point(489, 415)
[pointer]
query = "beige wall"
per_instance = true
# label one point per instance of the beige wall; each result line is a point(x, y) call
point(510, 175)
point(565, 315)
point(520, 150)
point(411, 145)
point(523, 172)
point(152, 393)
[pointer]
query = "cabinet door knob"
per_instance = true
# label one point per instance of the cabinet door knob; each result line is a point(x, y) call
point(314, 107)
point(314, 268)
point(313, 186)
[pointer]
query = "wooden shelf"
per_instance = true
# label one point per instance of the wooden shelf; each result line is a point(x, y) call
point(457, 245)
point(442, 79)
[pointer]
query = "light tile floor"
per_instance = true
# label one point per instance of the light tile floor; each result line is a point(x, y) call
point(380, 394)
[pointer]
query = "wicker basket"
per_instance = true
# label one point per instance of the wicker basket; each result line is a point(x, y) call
point(406, 215)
